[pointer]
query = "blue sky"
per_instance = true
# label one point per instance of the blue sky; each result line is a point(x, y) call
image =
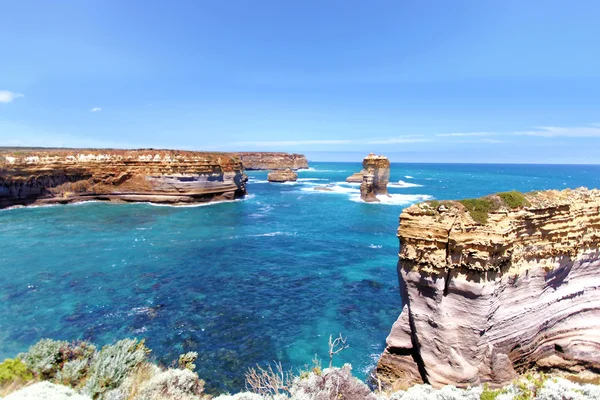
point(431, 81)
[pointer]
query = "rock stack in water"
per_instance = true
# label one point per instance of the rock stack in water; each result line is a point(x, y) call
point(373, 178)
point(287, 175)
point(495, 286)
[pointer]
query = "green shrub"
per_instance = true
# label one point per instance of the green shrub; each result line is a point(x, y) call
point(514, 199)
point(479, 209)
point(489, 394)
point(45, 358)
point(112, 364)
point(14, 370)
point(186, 361)
point(434, 203)
point(72, 372)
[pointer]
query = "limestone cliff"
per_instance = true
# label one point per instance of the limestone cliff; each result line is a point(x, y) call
point(373, 178)
point(489, 294)
point(161, 176)
point(273, 161)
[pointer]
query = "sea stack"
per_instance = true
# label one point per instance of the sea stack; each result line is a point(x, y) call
point(286, 175)
point(496, 286)
point(373, 178)
point(52, 176)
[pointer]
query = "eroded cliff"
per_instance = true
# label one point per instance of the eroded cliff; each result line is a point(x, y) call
point(496, 286)
point(159, 176)
point(272, 161)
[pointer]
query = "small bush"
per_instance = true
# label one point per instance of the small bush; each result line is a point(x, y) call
point(72, 372)
point(186, 361)
point(479, 209)
point(514, 199)
point(181, 384)
point(434, 203)
point(332, 384)
point(489, 394)
point(112, 364)
point(45, 358)
point(14, 371)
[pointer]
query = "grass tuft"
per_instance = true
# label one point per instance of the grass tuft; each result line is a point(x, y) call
point(514, 199)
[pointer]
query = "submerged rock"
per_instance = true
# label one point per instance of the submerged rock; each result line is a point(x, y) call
point(491, 294)
point(286, 175)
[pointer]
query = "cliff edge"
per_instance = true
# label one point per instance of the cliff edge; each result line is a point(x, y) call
point(52, 176)
point(272, 161)
point(496, 286)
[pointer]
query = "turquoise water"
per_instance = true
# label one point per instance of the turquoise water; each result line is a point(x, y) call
point(253, 281)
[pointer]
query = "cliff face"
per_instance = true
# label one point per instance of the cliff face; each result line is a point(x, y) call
point(274, 161)
point(159, 176)
point(484, 302)
point(373, 178)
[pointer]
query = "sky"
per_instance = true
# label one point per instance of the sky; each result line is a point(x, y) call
point(420, 81)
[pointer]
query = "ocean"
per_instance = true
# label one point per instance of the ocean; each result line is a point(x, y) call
point(263, 279)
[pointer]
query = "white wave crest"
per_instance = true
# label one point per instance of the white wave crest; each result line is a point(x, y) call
point(271, 234)
point(395, 199)
point(409, 177)
point(337, 189)
point(402, 184)
point(375, 246)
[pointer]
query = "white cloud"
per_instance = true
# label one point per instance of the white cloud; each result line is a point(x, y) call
point(558, 131)
point(7, 96)
point(96, 109)
point(291, 143)
point(401, 139)
point(467, 134)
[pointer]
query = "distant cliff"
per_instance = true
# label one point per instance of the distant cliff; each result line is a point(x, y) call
point(495, 286)
point(272, 161)
point(161, 176)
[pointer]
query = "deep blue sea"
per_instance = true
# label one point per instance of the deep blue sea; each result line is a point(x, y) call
point(264, 279)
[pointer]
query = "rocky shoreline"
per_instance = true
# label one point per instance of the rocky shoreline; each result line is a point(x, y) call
point(497, 286)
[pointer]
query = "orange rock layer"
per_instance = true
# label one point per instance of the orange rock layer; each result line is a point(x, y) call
point(272, 161)
point(160, 176)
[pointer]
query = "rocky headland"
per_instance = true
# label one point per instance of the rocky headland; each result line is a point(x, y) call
point(280, 176)
point(272, 161)
point(373, 178)
point(497, 286)
point(50, 176)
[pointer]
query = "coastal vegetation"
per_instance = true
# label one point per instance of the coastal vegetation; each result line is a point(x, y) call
point(124, 371)
point(480, 208)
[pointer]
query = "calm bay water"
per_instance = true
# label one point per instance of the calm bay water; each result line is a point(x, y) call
point(253, 281)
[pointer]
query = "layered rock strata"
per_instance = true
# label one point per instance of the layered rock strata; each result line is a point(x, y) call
point(373, 178)
point(287, 175)
point(159, 176)
point(486, 301)
point(272, 161)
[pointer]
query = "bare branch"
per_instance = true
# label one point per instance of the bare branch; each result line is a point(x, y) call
point(269, 381)
point(336, 346)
